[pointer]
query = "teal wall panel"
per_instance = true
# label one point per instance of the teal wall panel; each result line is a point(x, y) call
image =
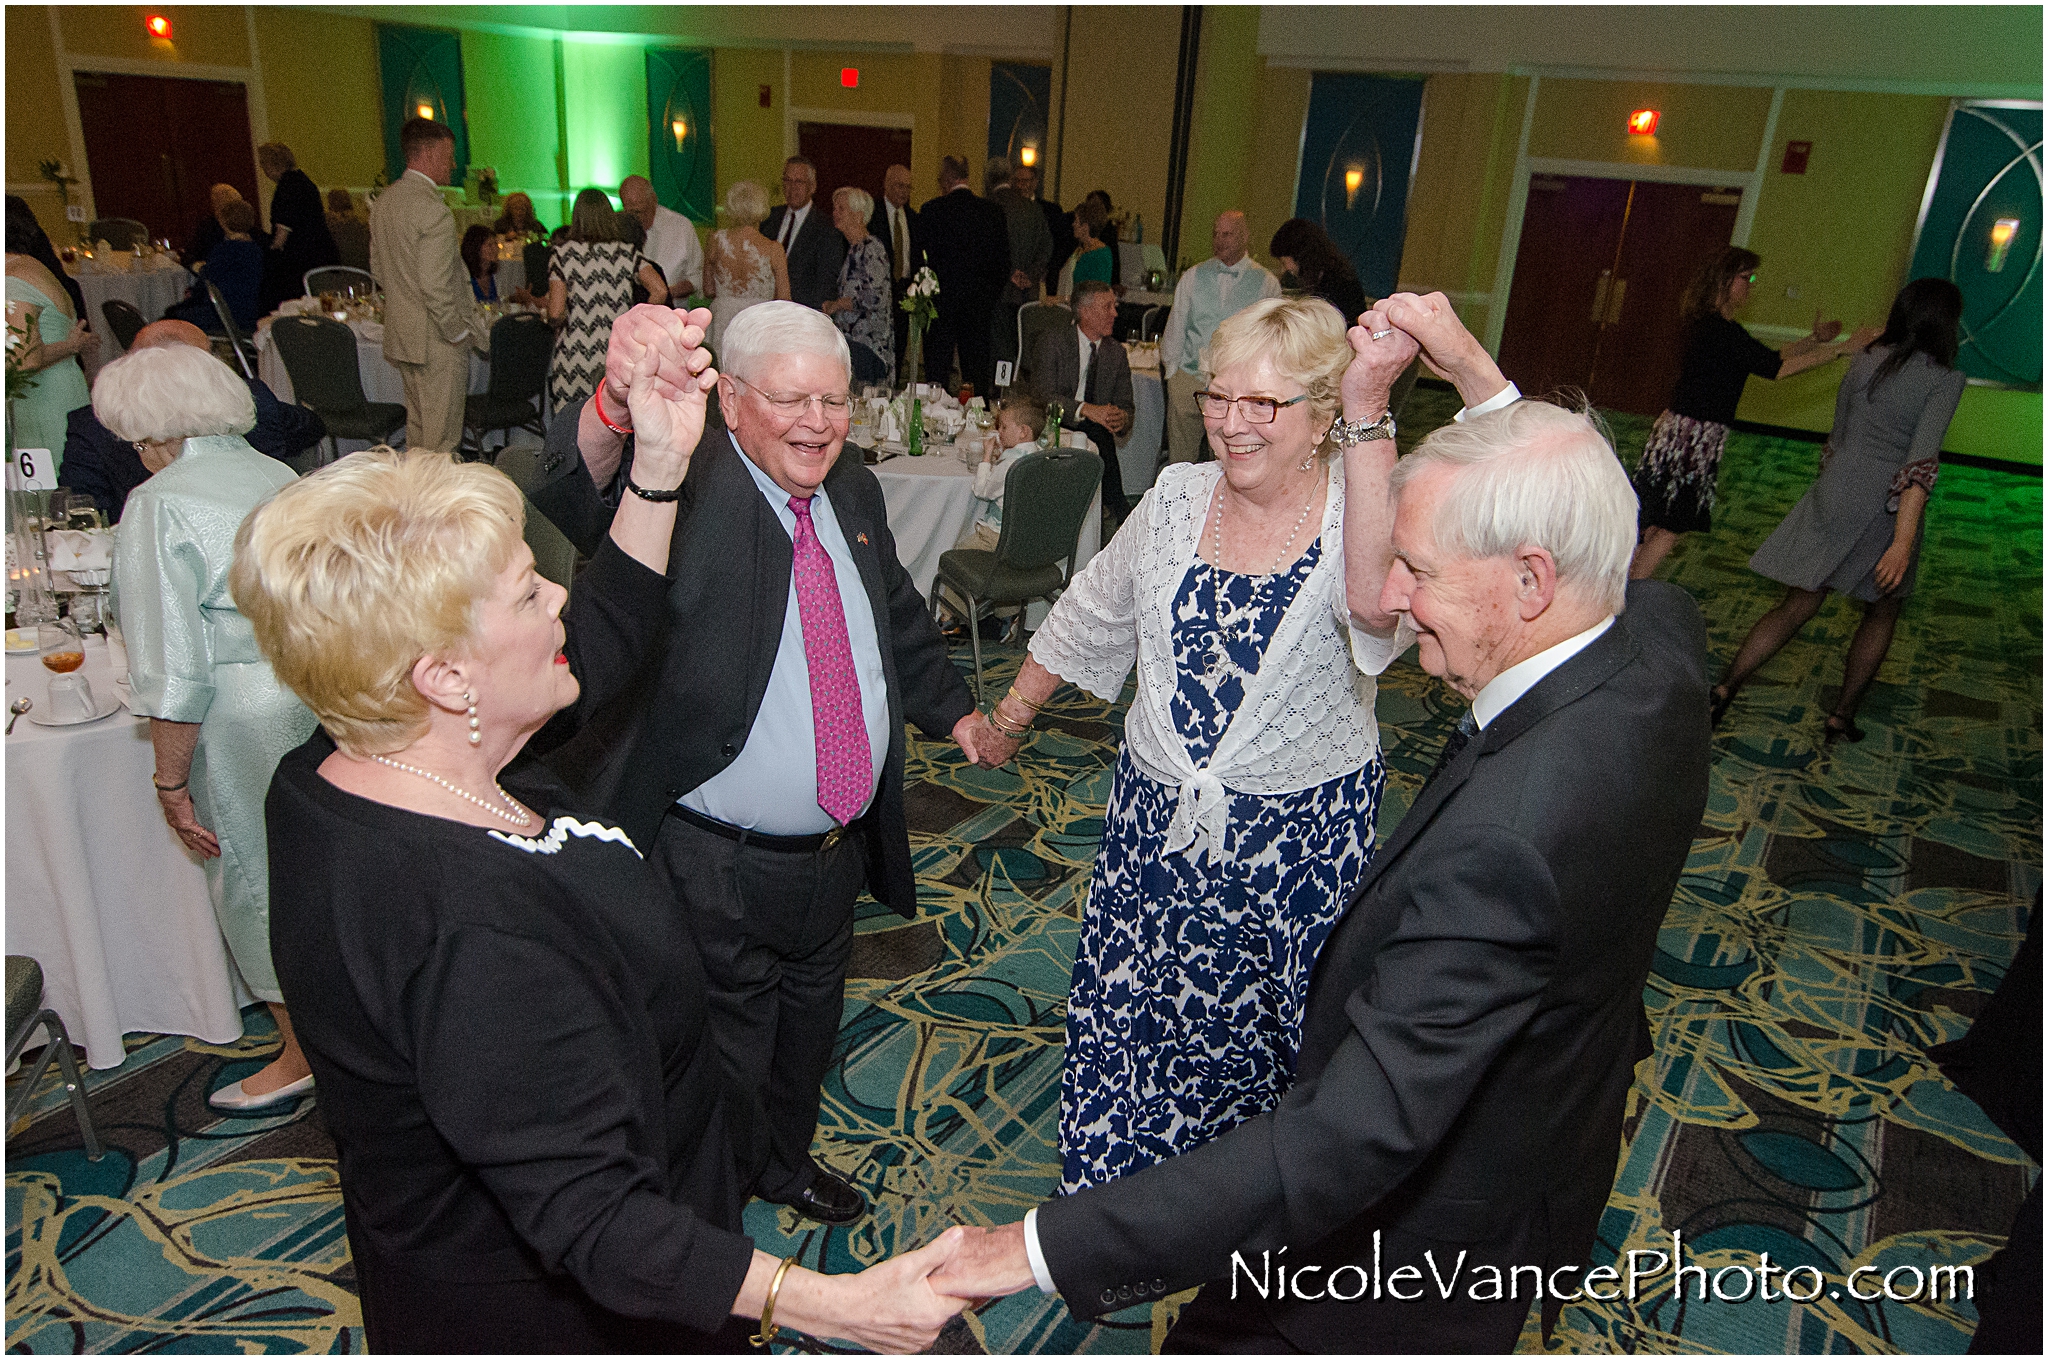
point(680, 157)
point(421, 67)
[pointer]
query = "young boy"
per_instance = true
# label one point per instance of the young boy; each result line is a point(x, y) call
point(1018, 423)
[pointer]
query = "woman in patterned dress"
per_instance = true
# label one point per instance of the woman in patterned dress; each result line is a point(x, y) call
point(1241, 819)
point(1857, 528)
point(862, 307)
point(1675, 478)
point(590, 285)
point(741, 266)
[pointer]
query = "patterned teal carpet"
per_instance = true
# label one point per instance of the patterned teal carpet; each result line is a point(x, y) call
point(1844, 909)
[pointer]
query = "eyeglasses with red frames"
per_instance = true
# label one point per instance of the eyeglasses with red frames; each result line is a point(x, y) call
point(1256, 410)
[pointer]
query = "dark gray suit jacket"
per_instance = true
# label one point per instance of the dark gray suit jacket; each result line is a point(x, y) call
point(814, 256)
point(1472, 1026)
point(1056, 371)
point(689, 714)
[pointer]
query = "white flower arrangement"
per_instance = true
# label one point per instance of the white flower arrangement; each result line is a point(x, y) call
point(925, 285)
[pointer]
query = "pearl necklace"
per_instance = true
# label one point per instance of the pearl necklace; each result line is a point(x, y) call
point(522, 819)
point(1244, 622)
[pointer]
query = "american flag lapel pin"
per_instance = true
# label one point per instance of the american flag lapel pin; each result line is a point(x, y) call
point(861, 539)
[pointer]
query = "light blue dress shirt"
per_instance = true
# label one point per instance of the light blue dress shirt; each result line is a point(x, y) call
point(772, 786)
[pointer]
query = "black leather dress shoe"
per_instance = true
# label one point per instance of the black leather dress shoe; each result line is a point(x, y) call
point(829, 1199)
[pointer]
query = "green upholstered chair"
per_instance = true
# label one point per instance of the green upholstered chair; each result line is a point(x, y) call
point(25, 1015)
point(520, 349)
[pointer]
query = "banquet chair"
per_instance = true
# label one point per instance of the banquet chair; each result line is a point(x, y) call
point(554, 556)
point(536, 257)
point(245, 353)
point(320, 358)
point(119, 232)
point(1150, 324)
point(1045, 502)
point(1033, 320)
point(521, 346)
point(123, 320)
point(339, 277)
point(25, 1015)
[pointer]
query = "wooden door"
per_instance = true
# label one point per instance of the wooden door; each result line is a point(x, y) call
point(1672, 229)
point(1571, 236)
point(157, 146)
point(849, 154)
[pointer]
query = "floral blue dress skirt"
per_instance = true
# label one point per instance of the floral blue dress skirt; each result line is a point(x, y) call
point(1191, 975)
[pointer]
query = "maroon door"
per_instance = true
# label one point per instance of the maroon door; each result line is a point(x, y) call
point(1571, 233)
point(1599, 276)
point(157, 146)
point(1672, 230)
point(846, 154)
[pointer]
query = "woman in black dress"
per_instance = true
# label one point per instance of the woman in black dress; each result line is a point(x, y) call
point(1306, 251)
point(539, 1149)
point(1675, 478)
point(299, 238)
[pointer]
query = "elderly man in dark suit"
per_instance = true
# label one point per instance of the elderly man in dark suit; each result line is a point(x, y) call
point(1087, 375)
point(894, 224)
point(967, 240)
point(107, 468)
point(1030, 251)
point(1476, 1015)
point(1058, 222)
point(806, 234)
point(761, 764)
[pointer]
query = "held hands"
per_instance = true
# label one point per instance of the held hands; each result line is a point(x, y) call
point(666, 391)
point(981, 743)
point(989, 1263)
point(183, 818)
point(1375, 364)
point(1448, 350)
point(642, 326)
point(893, 1308)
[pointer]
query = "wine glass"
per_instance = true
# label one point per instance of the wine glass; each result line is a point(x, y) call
point(60, 645)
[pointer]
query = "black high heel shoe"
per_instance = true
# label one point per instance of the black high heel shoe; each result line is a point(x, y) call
point(1838, 727)
point(1717, 704)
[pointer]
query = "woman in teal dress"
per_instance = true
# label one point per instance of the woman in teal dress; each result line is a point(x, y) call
point(219, 719)
point(58, 387)
point(1092, 258)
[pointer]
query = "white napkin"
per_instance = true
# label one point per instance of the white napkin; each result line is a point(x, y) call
point(79, 549)
point(370, 330)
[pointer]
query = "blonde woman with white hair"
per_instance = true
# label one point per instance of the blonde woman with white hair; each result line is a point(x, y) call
point(1245, 592)
point(862, 309)
point(741, 266)
point(218, 717)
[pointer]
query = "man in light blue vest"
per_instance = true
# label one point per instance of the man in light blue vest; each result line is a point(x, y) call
point(1212, 290)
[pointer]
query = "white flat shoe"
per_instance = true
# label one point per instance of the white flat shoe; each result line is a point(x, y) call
point(232, 1099)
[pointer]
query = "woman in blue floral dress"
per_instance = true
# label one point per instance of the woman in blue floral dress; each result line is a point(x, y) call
point(862, 307)
point(1242, 814)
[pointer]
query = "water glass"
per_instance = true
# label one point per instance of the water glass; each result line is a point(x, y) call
point(60, 645)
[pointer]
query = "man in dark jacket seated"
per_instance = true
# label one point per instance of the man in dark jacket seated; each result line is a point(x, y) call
point(107, 469)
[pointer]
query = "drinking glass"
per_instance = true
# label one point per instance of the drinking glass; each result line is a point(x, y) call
point(62, 649)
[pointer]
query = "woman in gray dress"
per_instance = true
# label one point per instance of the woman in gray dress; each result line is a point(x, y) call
point(1857, 528)
point(218, 718)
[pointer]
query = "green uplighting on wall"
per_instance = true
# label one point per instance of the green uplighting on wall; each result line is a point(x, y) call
point(606, 89)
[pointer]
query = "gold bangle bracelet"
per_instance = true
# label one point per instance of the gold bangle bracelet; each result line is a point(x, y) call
point(1013, 694)
point(996, 721)
point(760, 1339)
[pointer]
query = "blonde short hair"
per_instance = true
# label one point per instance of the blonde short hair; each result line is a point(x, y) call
point(176, 392)
point(746, 203)
point(1303, 336)
point(354, 572)
point(1539, 474)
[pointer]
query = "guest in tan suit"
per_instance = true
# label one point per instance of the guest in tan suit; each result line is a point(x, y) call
point(429, 314)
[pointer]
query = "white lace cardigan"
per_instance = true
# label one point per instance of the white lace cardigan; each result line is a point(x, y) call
point(1306, 717)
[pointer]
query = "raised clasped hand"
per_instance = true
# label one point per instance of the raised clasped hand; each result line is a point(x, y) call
point(1375, 364)
point(667, 388)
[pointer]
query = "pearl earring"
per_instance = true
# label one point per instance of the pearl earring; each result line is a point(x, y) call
point(476, 737)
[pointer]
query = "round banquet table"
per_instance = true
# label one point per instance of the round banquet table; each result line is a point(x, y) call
point(380, 380)
point(151, 291)
point(931, 503)
point(1138, 456)
point(100, 891)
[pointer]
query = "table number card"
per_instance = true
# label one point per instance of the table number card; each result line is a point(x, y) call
point(32, 470)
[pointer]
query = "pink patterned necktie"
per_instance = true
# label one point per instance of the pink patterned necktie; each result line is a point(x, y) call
point(846, 770)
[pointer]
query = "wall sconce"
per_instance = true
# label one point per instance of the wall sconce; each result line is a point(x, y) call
point(1353, 177)
point(681, 130)
point(2002, 232)
point(1028, 155)
point(1643, 122)
point(158, 26)
point(425, 110)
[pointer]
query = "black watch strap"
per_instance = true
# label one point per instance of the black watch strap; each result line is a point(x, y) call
point(660, 497)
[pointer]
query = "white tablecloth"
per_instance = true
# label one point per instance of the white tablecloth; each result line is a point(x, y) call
point(99, 890)
point(1138, 456)
point(931, 503)
point(380, 380)
point(149, 291)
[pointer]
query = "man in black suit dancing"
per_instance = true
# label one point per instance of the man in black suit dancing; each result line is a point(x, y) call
point(761, 764)
point(1476, 1015)
point(967, 240)
point(806, 234)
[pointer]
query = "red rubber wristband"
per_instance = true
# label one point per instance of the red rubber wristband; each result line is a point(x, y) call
point(604, 419)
